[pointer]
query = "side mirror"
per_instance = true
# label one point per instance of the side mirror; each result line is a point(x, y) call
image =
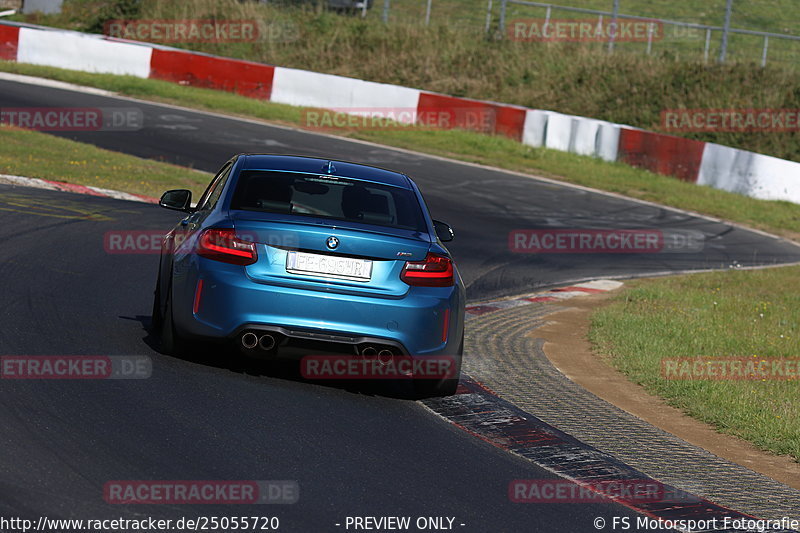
point(443, 231)
point(178, 199)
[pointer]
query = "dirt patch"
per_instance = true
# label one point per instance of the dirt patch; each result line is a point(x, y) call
point(568, 348)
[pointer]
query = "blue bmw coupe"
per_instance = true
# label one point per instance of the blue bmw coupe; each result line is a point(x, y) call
point(283, 253)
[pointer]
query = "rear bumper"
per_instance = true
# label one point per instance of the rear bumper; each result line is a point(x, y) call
point(426, 321)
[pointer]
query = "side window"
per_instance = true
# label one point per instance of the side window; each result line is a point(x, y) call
point(212, 194)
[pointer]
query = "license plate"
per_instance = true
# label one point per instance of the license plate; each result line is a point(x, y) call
point(329, 266)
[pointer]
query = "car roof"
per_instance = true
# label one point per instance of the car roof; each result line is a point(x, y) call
point(315, 165)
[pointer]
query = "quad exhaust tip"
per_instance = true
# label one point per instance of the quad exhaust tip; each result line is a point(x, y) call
point(266, 342)
point(385, 356)
point(382, 354)
point(249, 340)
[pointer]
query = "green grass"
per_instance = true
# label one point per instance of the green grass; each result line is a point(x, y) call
point(37, 155)
point(734, 314)
point(778, 217)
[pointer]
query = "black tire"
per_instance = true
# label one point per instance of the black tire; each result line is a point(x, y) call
point(429, 388)
point(156, 319)
point(171, 342)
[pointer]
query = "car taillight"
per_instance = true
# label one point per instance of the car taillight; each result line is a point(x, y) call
point(434, 271)
point(222, 245)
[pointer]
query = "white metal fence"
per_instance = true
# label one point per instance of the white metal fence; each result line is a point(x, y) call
point(712, 42)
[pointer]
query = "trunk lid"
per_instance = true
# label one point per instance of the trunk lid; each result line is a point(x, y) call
point(374, 251)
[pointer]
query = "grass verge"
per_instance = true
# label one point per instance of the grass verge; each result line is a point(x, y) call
point(779, 217)
point(720, 315)
point(37, 155)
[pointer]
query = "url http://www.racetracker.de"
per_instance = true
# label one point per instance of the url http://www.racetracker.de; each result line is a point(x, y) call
point(142, 525)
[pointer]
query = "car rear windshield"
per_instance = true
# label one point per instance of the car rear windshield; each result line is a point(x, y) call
point(328, 197)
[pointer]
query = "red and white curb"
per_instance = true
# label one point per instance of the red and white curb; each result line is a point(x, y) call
point(71, 187)
point(553, 295)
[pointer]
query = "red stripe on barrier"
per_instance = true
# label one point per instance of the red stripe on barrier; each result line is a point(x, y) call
point(9, 37)
point(663, 154)
point(448, 112)
point(242, 77)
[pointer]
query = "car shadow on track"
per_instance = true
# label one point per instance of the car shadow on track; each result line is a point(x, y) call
point(227, 357)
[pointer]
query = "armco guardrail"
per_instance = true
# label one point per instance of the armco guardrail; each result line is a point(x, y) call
point(730, 169)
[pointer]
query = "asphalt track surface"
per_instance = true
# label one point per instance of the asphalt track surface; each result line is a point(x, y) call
point(355, 452)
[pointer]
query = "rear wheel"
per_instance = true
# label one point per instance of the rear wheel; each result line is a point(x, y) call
point(171, 342)
point(427, 388)
point(156, 318)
